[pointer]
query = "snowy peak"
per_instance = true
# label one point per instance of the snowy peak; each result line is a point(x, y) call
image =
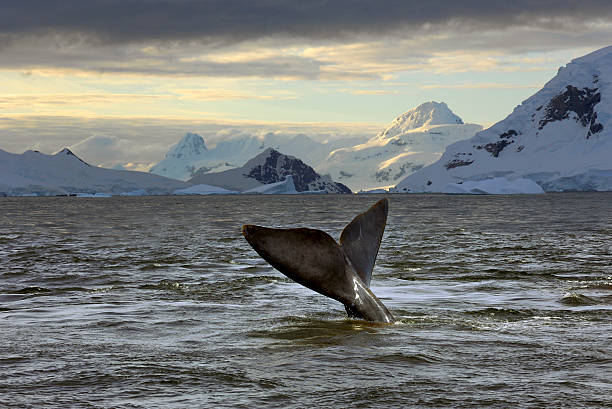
point(190, 145)
point(67, 153)
point(413, 140)
point(560, 137)
point(269, 167)
point(428, 113)
point(180, 160)
point(232, 148)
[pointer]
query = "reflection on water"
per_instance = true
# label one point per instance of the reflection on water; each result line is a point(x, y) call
point(158, 302)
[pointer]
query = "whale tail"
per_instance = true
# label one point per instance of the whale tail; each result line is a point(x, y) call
point(314, 259)
point(361, 239)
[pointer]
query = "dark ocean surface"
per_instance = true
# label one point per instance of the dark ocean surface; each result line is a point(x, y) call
point(156, 302)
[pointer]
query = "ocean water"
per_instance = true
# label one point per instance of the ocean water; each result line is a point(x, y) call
point(156, 302)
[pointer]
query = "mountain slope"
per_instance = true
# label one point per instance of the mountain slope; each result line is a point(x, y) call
point(561, 137)
point(190, 154)
point(411, 141)
point(270, 166)
point(64, 172)
point(183, 158)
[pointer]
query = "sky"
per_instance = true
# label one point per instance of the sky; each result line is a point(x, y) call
point(120, 81)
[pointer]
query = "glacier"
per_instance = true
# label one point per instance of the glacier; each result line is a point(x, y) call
point(286, 187)
point(203, 189)
point(494, 186)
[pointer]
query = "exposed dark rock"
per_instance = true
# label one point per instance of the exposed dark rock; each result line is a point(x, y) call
point(580, 101)
point(386, 176)
point(496, 147)
point(277, 166)
point(404, 169)
point(455, 163)
point(383, 175)
point(508, 134)
point(68, 152)
point(594, 127)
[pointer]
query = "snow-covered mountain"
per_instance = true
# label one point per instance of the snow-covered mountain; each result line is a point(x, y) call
point(191, 155)
point(183, 159)
point(270, 166)
point(64, 173)
point(413, 140)
point(561, 137)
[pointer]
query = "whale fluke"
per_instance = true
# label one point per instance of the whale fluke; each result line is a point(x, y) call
point(340, 271)
point(361, 239)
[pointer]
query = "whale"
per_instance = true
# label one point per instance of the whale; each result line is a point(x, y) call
point(341, 270)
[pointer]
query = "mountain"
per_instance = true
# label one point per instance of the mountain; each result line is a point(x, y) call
point(270, 166)
point(560, 138)
point(411, 141)
point(183, 159)
point(64, 173)
point(191, 155)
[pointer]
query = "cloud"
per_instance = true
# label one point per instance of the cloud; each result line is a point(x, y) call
point(370, 91)
point(368, 59)
point(144, 141)
point(110, 151)
point(63, 102)
point(481, 85)
point(8, 102)
point(290, 39)
point(50, 57)
point(227, 94)
point(228, 21)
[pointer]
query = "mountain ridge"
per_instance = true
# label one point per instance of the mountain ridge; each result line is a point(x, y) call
point(400, 149)
point(270, 166)
point(33, 172)
point(560, 137)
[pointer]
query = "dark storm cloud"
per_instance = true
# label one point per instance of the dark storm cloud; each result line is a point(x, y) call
point(223, 21)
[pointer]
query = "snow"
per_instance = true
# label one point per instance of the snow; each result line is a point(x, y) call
point(560, 137)
point(427, 114)
point(64, 173)
point(191, 155)
point(203, 189)
point(495, 186)
point(414, 139)
point(268, 167)
point(81, 194)
point(373, 191)
point(137, 192)
point(180, 161)
point(411, 141)
point(286, 187)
